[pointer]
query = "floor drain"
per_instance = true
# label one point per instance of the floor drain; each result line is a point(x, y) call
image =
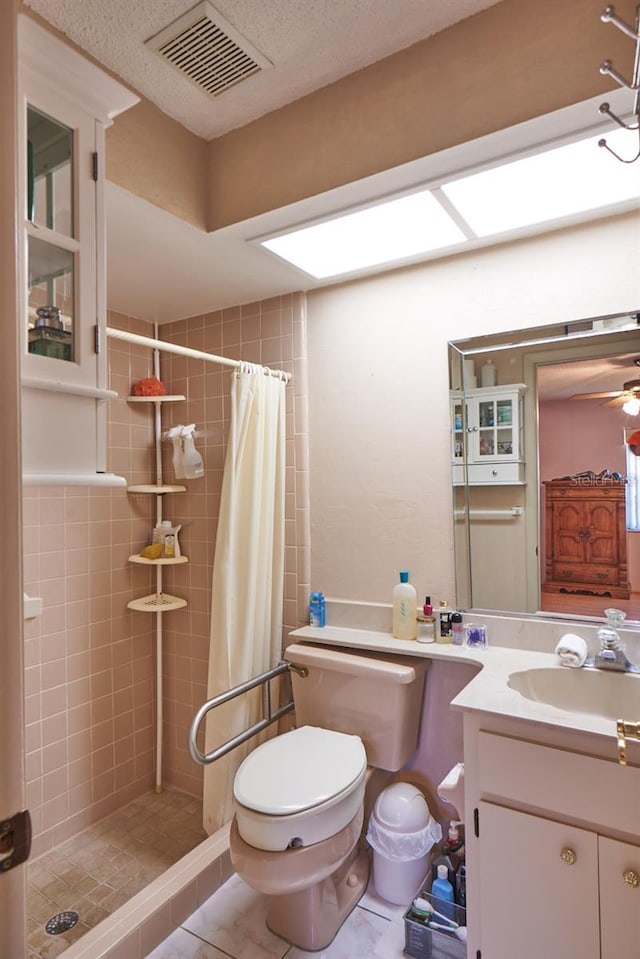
point(62, 922)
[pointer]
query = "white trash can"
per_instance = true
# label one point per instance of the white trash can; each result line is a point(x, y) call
point(401, 833)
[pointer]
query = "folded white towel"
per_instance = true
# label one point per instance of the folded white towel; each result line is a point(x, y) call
point(572, 650)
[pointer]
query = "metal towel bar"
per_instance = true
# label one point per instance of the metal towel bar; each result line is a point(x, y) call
point(203, 759)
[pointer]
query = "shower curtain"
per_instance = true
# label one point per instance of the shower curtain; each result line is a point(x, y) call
point(248, 573)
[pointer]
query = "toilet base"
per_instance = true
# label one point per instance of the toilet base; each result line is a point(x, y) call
point(311, 918)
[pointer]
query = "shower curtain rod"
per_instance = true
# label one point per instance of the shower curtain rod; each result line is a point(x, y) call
point(148, 341)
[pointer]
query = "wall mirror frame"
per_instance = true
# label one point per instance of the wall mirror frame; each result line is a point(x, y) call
point(499, 527)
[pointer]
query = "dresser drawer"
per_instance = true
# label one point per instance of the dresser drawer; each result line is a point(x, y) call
point(599, 792)
point(606, 575)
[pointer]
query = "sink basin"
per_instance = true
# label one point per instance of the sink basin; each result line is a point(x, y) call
point(595, 691)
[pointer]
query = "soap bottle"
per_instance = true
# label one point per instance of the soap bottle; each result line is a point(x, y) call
point(443, 625)
point(442, 890)
point(404, 602)
point(191, 459)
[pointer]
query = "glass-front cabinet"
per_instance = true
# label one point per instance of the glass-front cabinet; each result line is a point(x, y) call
point(486, 431)
point(65, 105)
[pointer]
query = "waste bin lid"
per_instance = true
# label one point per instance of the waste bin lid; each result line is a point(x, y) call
point(401, 807)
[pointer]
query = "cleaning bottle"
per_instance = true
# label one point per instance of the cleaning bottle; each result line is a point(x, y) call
point(442, 892)
point(191, 459)
point(175, 435)
point(404, 601)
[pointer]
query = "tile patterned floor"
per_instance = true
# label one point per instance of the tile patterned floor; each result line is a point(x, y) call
point(97, 871)
point(231, 925)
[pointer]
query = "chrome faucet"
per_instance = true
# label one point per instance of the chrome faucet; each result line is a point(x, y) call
point(611, 654)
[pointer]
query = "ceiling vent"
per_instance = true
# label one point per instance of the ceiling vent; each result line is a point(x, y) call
point(204, 46)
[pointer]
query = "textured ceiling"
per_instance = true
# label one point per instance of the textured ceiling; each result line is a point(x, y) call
point(311, 43)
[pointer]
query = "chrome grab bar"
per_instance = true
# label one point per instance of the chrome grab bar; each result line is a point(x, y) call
point(203, 759)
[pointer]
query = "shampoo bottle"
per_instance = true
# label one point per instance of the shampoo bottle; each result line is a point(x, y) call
point(404, 603)
point(442, 890)
point(191, 459)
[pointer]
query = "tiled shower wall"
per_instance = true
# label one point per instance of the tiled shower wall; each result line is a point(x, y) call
point(90, 668)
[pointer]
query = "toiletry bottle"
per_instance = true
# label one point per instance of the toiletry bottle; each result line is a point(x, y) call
point(488, 375)
point(191, 459)
point(175, 435)
point(443, 626)
point(167, 535)
point(404, 601)
point(442, 890)
point(426, 623)
point(457, 629)
point(316, 609)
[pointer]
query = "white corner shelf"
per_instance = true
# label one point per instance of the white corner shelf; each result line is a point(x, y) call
point(163, 561)
point(157, 488)
point(176, 398)
point(156, 603)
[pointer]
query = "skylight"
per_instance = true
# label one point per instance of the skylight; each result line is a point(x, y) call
point(393, 230)
point(557, 183)
point(552, 185)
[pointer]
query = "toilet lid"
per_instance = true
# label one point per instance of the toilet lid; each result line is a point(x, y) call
point(299, 770)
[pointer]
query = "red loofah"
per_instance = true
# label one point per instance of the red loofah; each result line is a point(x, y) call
point(150, 386)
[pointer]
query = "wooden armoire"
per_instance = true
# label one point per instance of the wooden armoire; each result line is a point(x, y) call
point(586, 537)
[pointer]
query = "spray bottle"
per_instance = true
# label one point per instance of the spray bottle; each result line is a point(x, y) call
point(175, 435)
point(191, 459)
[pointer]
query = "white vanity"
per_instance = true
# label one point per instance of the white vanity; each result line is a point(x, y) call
point(552, 818)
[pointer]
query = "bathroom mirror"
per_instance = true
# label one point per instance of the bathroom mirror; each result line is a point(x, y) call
point(527, 408)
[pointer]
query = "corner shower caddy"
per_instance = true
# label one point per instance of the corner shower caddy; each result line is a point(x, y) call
point(158, 602)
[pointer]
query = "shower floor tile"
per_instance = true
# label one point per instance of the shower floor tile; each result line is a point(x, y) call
point(99, 870)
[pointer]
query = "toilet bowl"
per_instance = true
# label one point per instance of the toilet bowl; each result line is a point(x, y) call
point(296, 834)
point(298, 803)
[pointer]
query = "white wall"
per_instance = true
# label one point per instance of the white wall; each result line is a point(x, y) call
point(378, 385)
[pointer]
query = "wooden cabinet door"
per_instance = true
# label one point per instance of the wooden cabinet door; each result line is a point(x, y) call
point(534, 902)
point(619, 899)
point(568, 536)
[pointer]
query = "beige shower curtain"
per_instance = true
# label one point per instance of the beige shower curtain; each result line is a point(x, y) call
point(248, 573)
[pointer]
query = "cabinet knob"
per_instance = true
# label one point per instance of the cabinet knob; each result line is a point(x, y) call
point(494, 472)
point(568, 855)
point(631, 878)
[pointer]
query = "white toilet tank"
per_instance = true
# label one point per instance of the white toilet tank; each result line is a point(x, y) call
point(376, 696)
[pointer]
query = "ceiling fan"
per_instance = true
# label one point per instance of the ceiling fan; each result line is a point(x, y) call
point(630, 391)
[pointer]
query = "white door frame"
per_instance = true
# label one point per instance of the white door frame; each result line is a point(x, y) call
point(12, 788)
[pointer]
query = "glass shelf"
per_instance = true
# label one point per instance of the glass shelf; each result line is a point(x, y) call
point(156, 603)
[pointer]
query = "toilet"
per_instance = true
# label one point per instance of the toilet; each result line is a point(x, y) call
point(299, 798)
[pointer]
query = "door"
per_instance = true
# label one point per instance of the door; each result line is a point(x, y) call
point(538, 888)
point(619, 899)
point(12, 902)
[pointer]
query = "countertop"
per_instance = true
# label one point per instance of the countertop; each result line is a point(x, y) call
point(488, 691)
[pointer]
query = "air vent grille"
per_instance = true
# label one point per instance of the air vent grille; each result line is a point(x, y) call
point(208, 50)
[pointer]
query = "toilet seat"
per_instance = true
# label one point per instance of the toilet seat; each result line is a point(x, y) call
point(299, 788)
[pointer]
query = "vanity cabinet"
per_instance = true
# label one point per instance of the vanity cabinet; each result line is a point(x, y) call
point(487, 427)
point(554, 864)
point(586, 537)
